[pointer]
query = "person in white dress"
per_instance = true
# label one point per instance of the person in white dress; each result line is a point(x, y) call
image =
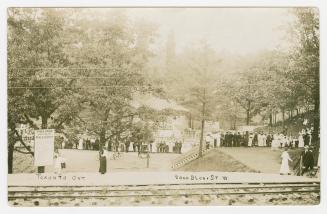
point(80, 144)
point(218, 139)
point(63, 144)
point(264, 140)
point(208, 141)
point(58, 160)
point(282, 140)
point(275, 142)
point(171, 146)
point(260, 142)
point(130, 147)
point(284, 168)
point(250, 139)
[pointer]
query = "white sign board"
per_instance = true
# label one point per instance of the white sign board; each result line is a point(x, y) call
point(44, 147)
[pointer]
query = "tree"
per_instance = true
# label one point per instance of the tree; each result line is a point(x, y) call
point(37, 87)
point(113, 55)
point(195, 83)
point(305, 59)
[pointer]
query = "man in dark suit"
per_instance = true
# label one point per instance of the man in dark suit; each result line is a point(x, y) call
point(255, 139)
point(96, 144)
point(307, 139)
point(269, 140)
point(307, 160)
point(227, 139)
point(234, 139)
point(88, 144)
point(238, 139)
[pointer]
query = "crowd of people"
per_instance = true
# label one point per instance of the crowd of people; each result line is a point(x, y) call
point(218, 139)
point(260, 139)
point(275, 141)
point(91, 143)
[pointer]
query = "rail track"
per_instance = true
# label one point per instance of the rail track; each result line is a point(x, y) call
point(184, 192)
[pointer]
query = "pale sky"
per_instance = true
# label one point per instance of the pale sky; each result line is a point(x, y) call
point(233, 30)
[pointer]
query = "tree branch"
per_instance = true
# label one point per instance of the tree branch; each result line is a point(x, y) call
point(17, 150)
point(23, 143)
point(33, 125)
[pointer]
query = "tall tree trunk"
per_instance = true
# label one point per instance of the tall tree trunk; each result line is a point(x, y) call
point(248, 113)
point(270, 119)
point(283, 119)
point(316, 121)
point(102, 138)
point(10, 157)
point(234, 125)
point(44, 122)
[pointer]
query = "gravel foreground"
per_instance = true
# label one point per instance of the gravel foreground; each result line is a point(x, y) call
point(201, 200)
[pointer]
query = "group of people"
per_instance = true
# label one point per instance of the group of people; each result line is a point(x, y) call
point(81, 144)
point(306, 161)
point(171, 147)
point(91, 143)
point(88, 144)
point(258, 139)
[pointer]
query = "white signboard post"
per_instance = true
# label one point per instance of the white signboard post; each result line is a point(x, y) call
point(44, 147)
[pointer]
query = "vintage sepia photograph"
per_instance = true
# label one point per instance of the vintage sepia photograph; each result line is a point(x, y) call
point(163, 106)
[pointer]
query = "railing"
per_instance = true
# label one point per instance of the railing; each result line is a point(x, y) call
point(188, 157)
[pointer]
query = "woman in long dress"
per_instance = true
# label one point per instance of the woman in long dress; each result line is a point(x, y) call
point(250, 140)
point(58, 160)
point(130, 149)
point(260, 142)
point(301, 140)
point(284, 168)
point(103, 162)
point(80, 144)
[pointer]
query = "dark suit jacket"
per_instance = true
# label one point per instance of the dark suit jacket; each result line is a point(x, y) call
point(307, 158)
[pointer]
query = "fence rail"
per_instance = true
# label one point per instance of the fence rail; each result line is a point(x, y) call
point(188, 157)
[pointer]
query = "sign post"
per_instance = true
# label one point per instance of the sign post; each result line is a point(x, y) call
point(43, 148)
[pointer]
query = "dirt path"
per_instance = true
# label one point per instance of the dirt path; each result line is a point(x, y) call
point(88, 161)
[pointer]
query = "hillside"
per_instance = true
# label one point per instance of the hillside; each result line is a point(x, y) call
point(215, 161)
point(293, 126)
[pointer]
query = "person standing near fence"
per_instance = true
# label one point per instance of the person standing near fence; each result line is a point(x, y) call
point(307, 160)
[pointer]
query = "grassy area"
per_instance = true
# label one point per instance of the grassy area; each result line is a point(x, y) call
point(216, 161)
